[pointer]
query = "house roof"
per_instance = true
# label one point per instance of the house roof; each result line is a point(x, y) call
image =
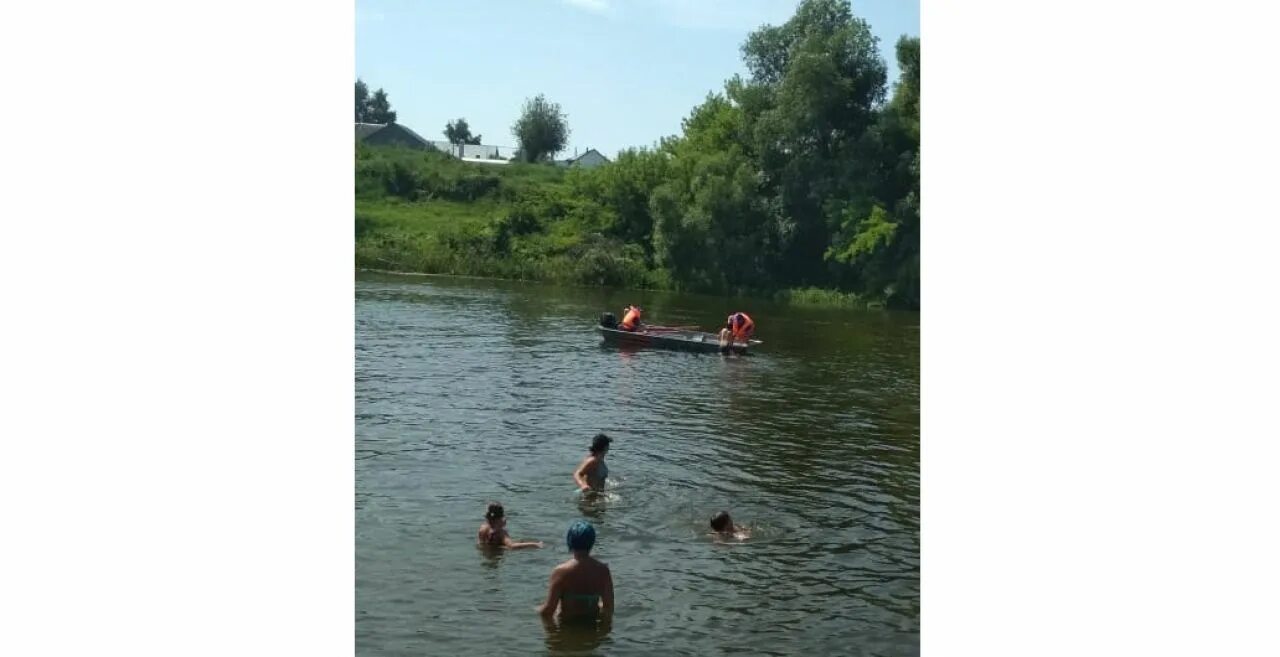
point(406, 129)
point(363, 130)
point(589, 151)
point(579, 157)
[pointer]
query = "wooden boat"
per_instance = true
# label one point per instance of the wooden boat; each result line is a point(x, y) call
point(678, 339)
point(667, 337)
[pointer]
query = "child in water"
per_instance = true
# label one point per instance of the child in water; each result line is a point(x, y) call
point(723, 527)
point(493, 533)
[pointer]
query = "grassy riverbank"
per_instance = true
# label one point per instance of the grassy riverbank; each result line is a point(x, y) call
point(426, 212)
point(429, 213)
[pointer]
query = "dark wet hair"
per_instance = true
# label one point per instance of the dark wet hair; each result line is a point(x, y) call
point(581, 536)
point(495, 511)
point(600, 443)
point(720, 521)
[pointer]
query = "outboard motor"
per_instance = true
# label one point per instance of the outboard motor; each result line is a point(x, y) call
point(607, 320)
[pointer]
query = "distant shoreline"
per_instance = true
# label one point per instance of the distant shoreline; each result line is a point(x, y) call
point(861, 305)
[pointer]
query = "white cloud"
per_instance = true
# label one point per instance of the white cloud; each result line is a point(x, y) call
point(723, 14)
point(597, 6)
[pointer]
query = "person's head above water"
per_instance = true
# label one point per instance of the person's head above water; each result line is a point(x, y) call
point(495, 513)
point(581, 536)
point(721, 521)
point(600, 444)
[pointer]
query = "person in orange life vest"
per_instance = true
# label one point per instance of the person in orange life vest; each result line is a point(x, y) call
point(630, 318)
point(741, 326)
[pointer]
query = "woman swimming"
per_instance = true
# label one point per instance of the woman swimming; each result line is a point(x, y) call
point(591, 474)
point(723, 527)
point(582, 585)
point(493, 533)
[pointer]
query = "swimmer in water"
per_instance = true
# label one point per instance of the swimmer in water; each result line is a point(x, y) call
point(493, 533)
point(591, 474)
point(723, 527)
point(581, 586)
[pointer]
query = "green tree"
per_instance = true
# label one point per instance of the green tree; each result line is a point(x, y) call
point(379, 109)
point(881, 245)
point(679, 240)
point(542, 130)
point(906, 95)
point(624, 187)
point(362, 101)
point(459, 133)
point(816, 84)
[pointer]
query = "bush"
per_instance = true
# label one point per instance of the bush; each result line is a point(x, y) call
point(812, 296)
point(403, 181)
point(364, 225)
point(603, 261)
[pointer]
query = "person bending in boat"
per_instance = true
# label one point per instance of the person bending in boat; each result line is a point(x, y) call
point(740, 326)
point(630, 318)
point(493, 533)
point(592, 472)
point(583, 585)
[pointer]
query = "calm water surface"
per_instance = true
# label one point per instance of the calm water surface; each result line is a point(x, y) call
point(476, 390)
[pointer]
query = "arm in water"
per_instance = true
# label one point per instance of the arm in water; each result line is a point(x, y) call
point(548, 608)
point(512, 545)
point(606, 598)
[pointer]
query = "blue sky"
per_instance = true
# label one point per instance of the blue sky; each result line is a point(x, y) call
point(624, 71)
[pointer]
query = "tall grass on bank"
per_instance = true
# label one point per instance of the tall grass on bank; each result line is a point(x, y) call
point(426, 212)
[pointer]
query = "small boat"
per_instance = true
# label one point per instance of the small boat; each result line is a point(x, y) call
point(667, 338)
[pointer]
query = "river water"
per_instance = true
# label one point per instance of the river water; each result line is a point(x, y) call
point(475, 390)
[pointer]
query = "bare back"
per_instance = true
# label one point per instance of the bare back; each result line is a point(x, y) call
point(582, 586)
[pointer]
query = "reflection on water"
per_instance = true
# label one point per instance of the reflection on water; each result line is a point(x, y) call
point(491, 555)
point(469, 391)
point(594, 503)
point(571, 637)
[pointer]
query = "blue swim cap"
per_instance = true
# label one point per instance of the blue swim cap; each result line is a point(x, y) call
point(581, 535)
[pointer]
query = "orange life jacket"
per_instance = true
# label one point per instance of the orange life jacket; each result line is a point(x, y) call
point(631, 320)
point(742, 326)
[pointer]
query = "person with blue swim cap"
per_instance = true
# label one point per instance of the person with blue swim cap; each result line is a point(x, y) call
point(582, 585)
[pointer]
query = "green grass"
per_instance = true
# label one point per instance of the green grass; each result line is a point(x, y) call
point(425, 212)
point(392, 214)
point(817, 297)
